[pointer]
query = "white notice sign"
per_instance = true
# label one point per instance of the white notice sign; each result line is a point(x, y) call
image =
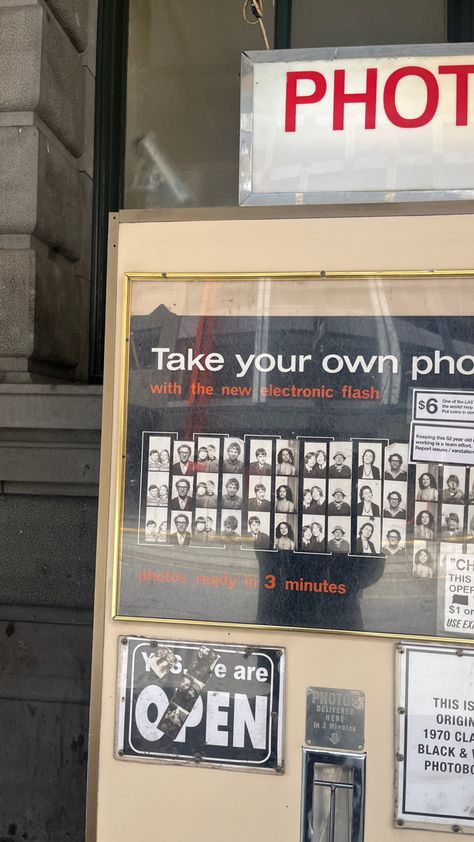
point(459, 594)
point(447, 406)
point(441, 443)
point(435, 753)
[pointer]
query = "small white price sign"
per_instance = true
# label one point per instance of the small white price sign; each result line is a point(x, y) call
point(448, 406)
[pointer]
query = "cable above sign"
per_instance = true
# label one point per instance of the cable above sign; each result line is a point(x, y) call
point(381, 124)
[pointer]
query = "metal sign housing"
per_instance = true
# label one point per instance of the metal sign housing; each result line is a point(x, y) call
point(356, 125)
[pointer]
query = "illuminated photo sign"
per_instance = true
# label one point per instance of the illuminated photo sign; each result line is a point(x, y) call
point(357, 125)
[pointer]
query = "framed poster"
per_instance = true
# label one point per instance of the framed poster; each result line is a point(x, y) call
point(266, 475)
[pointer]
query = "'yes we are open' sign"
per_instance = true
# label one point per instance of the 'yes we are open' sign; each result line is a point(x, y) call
point(212, 704)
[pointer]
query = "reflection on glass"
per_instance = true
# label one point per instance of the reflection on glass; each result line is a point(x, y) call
point(345, 23)
point(183, 101)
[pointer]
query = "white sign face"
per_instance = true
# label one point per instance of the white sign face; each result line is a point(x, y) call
point(442, 443)
point(448, 406)
point(436, 737)
point(342, 125)
point(459, 594)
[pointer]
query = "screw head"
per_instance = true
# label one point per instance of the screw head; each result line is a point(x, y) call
point(120, 753)
point(400, 757)
point(459, 653)
point(123, 641)
point(455, 828)
point(401, 710)
point(400, 822)
point(308, 742)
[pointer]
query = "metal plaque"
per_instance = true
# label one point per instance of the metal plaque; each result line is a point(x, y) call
point(335, 718)
point(206, 703)
point(435, 740)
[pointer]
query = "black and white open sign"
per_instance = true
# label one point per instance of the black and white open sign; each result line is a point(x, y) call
point(207, 703)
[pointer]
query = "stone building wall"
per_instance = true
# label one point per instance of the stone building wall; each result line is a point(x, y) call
point(47, 68)
point(49, 416)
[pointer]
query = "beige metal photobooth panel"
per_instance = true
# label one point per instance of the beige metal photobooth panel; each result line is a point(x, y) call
point(253, 356)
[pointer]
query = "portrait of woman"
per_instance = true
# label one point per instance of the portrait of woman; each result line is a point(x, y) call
point(471, 528)
point(453, 493)
point(307, 501)
point(427, 488)
point(321, 467)
point(162, 535)
point(284, 499)
point(471, 492)
point(364, 546)
point(317, 544)
point(368, 470)
point(201, 495)
point(163, 495)
point(318, 503)
point(367, 506)
point(306, 539)
point(203, 456)
point(164, 460)
point(425, 526)
point(284, 537)
point(286, 463)
point(423, 565)
point(310, 464)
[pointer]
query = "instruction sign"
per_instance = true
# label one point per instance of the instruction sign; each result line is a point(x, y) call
point(459, 594)
point(200, 703)
point(442, 443)
point(335, 718)
point(436, 736)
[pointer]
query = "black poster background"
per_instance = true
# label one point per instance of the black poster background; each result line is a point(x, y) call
point(380, 596)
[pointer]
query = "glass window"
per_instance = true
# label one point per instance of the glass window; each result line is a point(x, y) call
point(183, 81)
point(342, 23)
point(183, 101)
